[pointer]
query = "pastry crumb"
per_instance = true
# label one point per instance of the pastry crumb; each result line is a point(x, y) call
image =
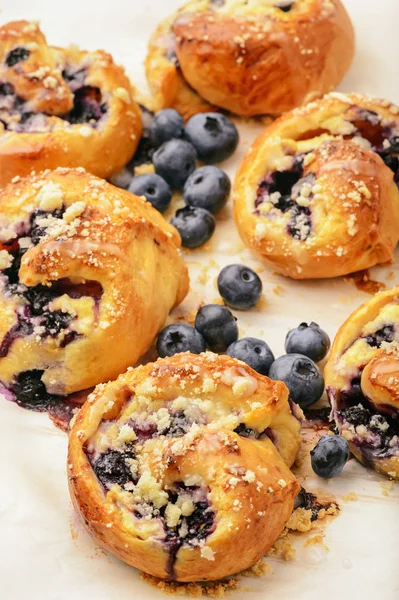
point(144, 169)
point(258, 569)
point(351, 497)
point(193, 590)
point(283, 548)
point(278, 290)
point(300, 520)
point(386, 487)
point(316, 539)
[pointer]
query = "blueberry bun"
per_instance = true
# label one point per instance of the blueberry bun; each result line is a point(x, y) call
point(62, 107)
point(88, 274)
point(175, 466)
point(249, 57)
point(362, 380)
point(317, 194)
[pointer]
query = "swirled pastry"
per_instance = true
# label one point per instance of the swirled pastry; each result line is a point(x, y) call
point(62, 107)
point(362, 380)
point(173, 469)
point(250, 57)
point(317, 194)
point(88, 274)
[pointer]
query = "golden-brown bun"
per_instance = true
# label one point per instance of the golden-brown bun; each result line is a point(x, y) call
point(313, 197)
point(99, 271)
point(162, 477)
point(166, 82)
point(362, 380)
point(62, 107)
point(250, 58)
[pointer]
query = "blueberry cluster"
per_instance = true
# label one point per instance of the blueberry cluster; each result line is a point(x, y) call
point(174, 149)
point(216, 328)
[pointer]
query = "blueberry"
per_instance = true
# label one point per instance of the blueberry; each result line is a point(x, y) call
point(17, 55)
point(175, 161)
point(256, 353)
point(180, 337)
point(39, 297)
point(309, 340)
point(31, 392)
point(166, 125)
point(154, 188)
point(395, 144)
point(87, 106)
point(329, 456)
point(213, 135)
point(208, 187)
point(239, 286)
point(56, 321)
point(178, 425)
point(122, 178)
point(302, 377)
point(285, 5)
point(195, 225)
point(217, 325)
point(113, 467)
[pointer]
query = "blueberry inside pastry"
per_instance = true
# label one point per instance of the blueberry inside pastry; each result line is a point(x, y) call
point(362, 378)
point(68, 106)
point(180, 467)
point(73, 281)
point(317, 194)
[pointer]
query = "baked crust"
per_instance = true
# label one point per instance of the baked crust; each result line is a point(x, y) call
point(62, 107)
point(178, 418)
point(362, 381)
point(313, 197)
point(100, 270)
point(249, 58)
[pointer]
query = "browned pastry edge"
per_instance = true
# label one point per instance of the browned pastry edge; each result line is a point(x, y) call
point(102, 150)
point(258, 507)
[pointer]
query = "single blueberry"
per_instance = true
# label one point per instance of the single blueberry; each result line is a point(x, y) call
point(166, 125)
point(357, 415)
point(394, 144)
point(87, 106)
point(17, 55)
point(213, 135)
point(217, 325)
point(55, 321)
point(239, 286)
point(256, 353)
point(309, 340)
point(208, 187)
point(154, 188)
point(39, 298)
point(302, 377)
point(122, 178)
point(391, 161)
point(175, 161)
point(31, 392)
point(195, 225)
point(329, 456)
point(180, 337)
point(113, 467)
point(285, 5)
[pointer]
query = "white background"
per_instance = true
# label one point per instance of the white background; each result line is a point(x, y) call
point(44, 553)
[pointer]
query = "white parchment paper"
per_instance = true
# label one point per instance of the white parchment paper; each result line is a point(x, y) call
point(44, 552)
